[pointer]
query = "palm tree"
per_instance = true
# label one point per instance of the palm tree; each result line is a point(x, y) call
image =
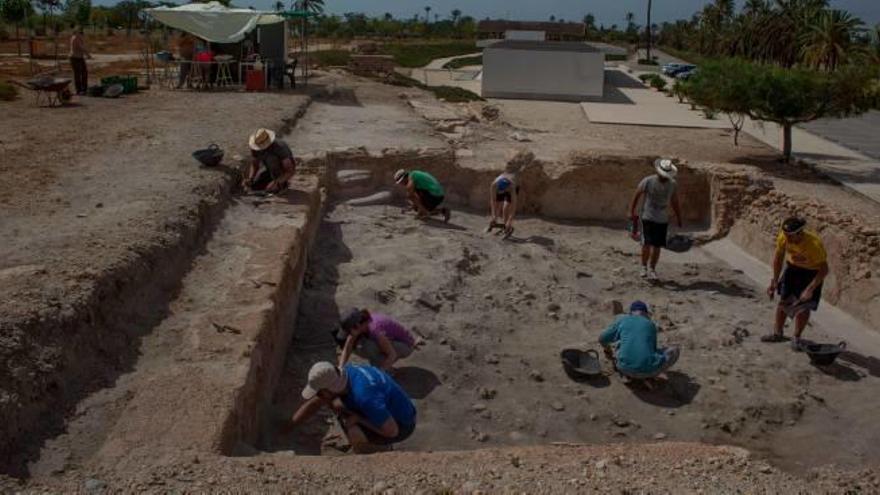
point(279, 6)
point(552, 18)
point(754, 8)
point(648, 29)
point(427, 14)
point(829, 41)
point(315, 7)
point(456, 14)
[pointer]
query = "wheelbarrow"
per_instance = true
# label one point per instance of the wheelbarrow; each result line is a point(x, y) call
point(53, 90)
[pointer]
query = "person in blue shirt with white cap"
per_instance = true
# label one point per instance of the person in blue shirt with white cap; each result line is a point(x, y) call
point(631, 342)
point(371, 408)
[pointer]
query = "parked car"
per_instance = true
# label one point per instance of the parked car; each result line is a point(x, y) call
point(685, 75)
point(681, 69)
point(667, 68)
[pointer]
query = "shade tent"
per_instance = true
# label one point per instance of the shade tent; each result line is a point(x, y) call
point(212, 21)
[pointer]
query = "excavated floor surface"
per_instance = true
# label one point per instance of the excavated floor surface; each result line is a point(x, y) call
point(494, 314)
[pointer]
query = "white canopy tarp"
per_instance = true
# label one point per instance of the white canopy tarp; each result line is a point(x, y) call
point(212, 21)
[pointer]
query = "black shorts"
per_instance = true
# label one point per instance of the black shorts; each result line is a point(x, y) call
point(429, 201)
point(793, 282)
point(505, 196)
point(654, 233)
point(403, 432)
point(262, 180)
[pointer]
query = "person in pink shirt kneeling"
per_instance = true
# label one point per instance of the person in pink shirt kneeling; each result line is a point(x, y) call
point(374, 337)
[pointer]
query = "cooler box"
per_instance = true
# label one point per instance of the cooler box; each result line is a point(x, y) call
point(255, 80)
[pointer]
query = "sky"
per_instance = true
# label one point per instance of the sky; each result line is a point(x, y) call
point(606, 11)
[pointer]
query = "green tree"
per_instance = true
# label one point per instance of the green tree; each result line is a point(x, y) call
point(279, 6)
point(783, 96)
point(78, 12)
point(16, 12)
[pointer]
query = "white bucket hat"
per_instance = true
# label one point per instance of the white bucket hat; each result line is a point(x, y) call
point(400, 175)
point(324, 376)
point(665, 168)
point(261, 139)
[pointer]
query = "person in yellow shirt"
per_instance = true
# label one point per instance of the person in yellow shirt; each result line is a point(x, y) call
point(803, 256)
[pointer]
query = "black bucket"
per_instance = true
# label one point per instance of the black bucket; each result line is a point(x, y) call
point(210, 156)
point(824, 354)
point(580, 364)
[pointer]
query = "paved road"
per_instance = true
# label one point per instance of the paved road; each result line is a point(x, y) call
point(858, 133)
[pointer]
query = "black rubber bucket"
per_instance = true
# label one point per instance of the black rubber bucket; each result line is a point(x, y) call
point(580, 364)
point(824, 354)
point(210, 156)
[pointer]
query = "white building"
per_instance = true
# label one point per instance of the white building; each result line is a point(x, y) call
point(543, 70)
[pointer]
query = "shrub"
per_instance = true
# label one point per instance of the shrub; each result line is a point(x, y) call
point(658, 83)
point(644, 61)
point(645, 78)
point(614, 57)
point(4, 34)
point(8, 92)
point(680, 89)
point(458, 63)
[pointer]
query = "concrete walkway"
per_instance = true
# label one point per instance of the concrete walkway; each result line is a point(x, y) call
point(835, 321)
point(852, 169)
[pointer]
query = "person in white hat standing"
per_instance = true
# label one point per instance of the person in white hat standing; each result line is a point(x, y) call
point(659, 191)
point(272, 164)
point(372, 409)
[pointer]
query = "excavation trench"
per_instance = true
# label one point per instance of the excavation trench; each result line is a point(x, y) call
point(493, 315)
point(227, 364)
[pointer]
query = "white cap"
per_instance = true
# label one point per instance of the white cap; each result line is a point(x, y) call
point(324, 376)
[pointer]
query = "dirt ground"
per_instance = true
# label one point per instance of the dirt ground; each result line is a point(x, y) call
point(100, 201)
point(668, 467)
point(95, 195)
point(494, 315)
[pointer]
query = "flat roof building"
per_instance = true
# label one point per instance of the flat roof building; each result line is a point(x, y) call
point(543, 70)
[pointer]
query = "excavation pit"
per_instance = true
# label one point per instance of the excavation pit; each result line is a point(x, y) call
point(494, 314)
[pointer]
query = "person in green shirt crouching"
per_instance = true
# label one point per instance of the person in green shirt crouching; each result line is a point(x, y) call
point(424, 192)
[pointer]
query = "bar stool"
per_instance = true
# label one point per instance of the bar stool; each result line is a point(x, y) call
point(224, 74)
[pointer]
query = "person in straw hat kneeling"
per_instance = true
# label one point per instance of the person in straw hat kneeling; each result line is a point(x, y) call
point(659, 192)
point(272, 165)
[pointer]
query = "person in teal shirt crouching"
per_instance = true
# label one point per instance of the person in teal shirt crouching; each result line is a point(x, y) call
point(631, 342)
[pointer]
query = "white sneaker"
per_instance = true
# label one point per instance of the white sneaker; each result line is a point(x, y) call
point(652, 275)
point(644, 272)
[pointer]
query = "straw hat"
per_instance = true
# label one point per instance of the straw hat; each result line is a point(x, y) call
point(665, 168)
point(261, 139)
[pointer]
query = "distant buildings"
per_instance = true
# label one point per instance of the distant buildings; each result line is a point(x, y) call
point(530, 31)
